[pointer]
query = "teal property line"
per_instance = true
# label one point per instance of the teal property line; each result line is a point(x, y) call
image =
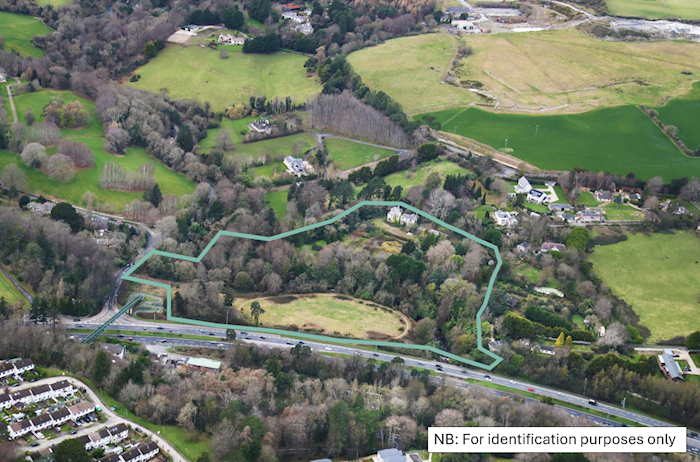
point(497, 359)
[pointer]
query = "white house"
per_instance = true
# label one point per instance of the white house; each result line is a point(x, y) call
point(601, 331)
point(394, 215)
point(537, 197)
point(20, 428)
point(547, 246)
point(548, 350)
point(589, 217)
point(6, 370)
point(306, 28)
point(409, 219)
point(62, 388)
point(524, 247)
point(5, 401)
point(81, 409)
point(260, 126)
point(116, 350)
point(60, 417)
point(292, 16)
point(295, 165)
point(505, 218)
point(42, 393)
point(523, 186)
point(118, 432)
point(231, 39)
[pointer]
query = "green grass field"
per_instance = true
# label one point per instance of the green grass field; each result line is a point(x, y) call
point(529, 70)
point(196, 72)
point(277, 148)
point(330, 314)
point(9, 291)
point(54, 2)
point(587, 199)
point(616, 140)
point(18, 29)
point(654, 9)
point(622, 212)
point(278, 202)
point(408, 179)
point(169, 181)
point(663, 291)
point(348, 154)
point(422, 60)
point(682, 112)
point(561, 195)
point(233, 126)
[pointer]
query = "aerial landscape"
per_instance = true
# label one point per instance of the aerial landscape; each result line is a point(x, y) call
point(349, 230)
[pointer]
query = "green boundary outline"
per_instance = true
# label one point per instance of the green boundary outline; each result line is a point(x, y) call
point(497, 359)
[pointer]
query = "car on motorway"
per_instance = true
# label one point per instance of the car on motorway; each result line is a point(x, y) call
point(81, 325)
point(145, 328)
point(130, 339)
point(163, 341)
point(201, 330)
point(592, 402)
point(220, 345)
point(487, 377)
point(212, 342)
point(375, 354)
point(530, 389)
point(244, 332)
point(262, 338)
point(72, 337)
point(421, 363)
point(120, 335)
point(290, 343)
point(465, 372)
point(560, 393)
point(211, 333)
point(329, 349)
point(160, 327)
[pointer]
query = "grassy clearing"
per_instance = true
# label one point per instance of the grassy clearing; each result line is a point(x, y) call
point(682, 112)
point(548, 68)
point(654, 9)
point(54, 2)
point(9, 291)
point(422, 60)
point(233, 126)
point(408, 179)
point(348, 154)
point(663, 291)
point(88, 180)
point(18, 29)
point(622, 212)
point(278, 202)
point(329, 315)
point(561, 195)
point(616, 140)
point(196, 72)
point(587, 199)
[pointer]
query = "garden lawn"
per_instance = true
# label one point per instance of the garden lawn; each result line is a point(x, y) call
point(8, 291)
point(662, 291)
point(654, 9)
point(18, 29)
point(233, 126)
point(277, 148)
point(37, 100)
point(561, 195)
point(587, 199)
point(278, 202)
point(348, 154)
point(329, 315)
point(622, 212)
point(615, 140)
point(683, 113)
point(54, 2)
point(195, 72)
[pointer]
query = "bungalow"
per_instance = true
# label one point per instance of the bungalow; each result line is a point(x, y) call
point(260, 126)
point(523, 186)
point(524, 247)
point(560, 207)
point(231, 39)
point(506, 218)
point(306, 28)
point(547, 246)
point(548, 350)
point(589, 217)
point(409, 219)
point(394, 215)
point(294, 165)
point(603, 196)
point(537, 197)
point(116, 350)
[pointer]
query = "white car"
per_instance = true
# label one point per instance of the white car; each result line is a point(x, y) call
point(329, 349)
point(512, 381)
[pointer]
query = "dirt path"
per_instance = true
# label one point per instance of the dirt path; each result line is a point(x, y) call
point(12, 101)
point(404, 318)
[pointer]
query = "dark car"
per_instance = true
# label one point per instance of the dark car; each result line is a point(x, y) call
point(300, 342)
point(35, 445)
point(375, 354)
point(244, 332)
point(262, 338)
point(211, 333)
point(73, 432)
point(160, 327)
point(76, 320)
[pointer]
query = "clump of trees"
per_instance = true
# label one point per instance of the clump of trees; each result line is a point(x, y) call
point(268, 43)
point(60, 168)
point(346, 115)
point(34, 155)
point(70, 115)
point(80, 153)
point(115, 176)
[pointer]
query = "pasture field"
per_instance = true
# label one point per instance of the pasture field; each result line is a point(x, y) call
point(233, 126)
point(330, 314)
point(54, 2)
point(348, 154)
point(661, 290)
point(683, 113)
point(92, 135)
point(196, 72)
point(616, 140)
point(278, 202)
point(409, 70)
point(654, 9)
point(18, 29)
point(8, 291)
point(564, 69)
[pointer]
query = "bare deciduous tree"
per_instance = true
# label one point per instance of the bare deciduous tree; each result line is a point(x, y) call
point(34, 155)
point(60, 168)
point(82, 155)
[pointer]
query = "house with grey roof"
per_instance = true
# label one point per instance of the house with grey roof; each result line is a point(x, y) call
point(670, 367)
